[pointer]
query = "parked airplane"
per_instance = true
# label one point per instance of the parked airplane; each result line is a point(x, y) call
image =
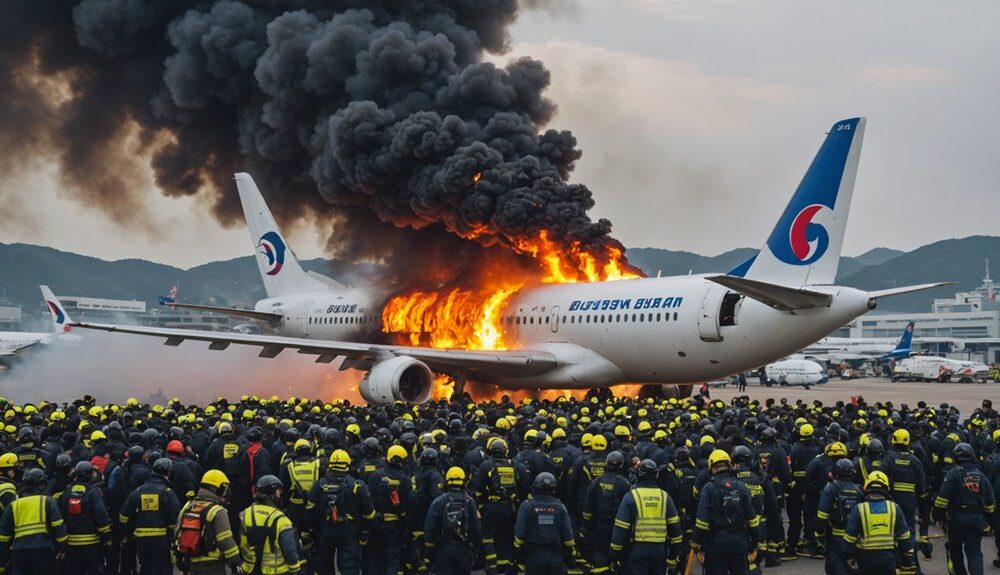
point(795, 372)
point(670, 330)
point(836, 350)
point(14, 343)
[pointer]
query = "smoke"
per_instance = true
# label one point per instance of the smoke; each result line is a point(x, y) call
point(379, 117)
point(112, 368)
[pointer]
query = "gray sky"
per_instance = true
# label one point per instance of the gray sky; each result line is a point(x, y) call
point(696, 119)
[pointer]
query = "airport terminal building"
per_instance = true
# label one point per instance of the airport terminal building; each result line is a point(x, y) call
point(970, 320)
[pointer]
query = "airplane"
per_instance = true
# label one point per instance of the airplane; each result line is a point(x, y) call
point(845, 349)
point(802, 372)
point(15, 343)
point(652, 331)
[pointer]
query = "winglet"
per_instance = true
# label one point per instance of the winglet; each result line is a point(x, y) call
point(60, 319)
point(874, 295)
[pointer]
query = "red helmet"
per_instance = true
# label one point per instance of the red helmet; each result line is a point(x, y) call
point(176, 447)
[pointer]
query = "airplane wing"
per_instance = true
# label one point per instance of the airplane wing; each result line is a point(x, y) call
point(272, 318)
point(906, 289)
point(782, 298)
point(513, 363)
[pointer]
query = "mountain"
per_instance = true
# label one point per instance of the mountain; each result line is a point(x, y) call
point(878, 256)
point(236, 282)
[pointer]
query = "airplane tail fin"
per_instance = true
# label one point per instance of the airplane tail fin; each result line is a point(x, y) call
point(804, 247)
point(279, 268)
point(905, 339)
point(60, 319)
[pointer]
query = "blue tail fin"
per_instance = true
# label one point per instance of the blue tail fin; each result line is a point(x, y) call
point(904, 340)
point(804, 247)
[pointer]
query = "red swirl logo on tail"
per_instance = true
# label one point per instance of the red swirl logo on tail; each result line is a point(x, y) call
point(807, 240)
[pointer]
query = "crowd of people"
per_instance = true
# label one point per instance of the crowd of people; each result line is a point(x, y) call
point(639, 486)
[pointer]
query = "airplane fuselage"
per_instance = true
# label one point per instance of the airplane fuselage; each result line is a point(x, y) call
point(11, 341)
point(683, 329)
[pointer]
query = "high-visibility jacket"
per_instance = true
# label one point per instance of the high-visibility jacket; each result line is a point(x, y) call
point(32, 522)
point(646, 515)
point(877, 525)
point(267, 541)
point(302, 474)
point(217, 543)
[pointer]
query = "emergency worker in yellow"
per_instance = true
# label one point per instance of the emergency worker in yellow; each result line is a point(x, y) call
point(647, 522)
point(299, 473)
point(726, 525)
point(8, 471)
point(391, 489)
point(267, 540)
point(87, 523)
point(203, 541)
point(148, 515)
point(340, 511)
point(876, 530)
point(32, 532)
point(497, 485)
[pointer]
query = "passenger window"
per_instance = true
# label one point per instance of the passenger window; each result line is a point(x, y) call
point(564, 319)
point(546, 319)
point(657, 317)
point(633, 317)
point(642, 317)
point(675, 316)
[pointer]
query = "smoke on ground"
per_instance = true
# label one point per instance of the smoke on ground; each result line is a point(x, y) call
point(114, 367)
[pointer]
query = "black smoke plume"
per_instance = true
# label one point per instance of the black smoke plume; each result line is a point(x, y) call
point(379, 116)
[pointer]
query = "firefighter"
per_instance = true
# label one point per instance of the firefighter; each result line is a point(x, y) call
point(761, 493)
point(88, 525)
point(453, 530)
point(267, 538)
point(339, 510)
point(818, 474)
point(586, 469)
point(8, 474)
point(726, 525)
point(908, 483)
point(543, 534)
point(801, 454)
point(967, 496)
point(28, 455)
point(648, 523)
point(772, 459)
point(391, 489)
point(32, 532)
point(300, 473)
point(870, 460)
point(254, 463)
point(148, 514)
point(876, 530)
point(600, 507)
point(203, 542)
point(496, 487)
point(838, 499)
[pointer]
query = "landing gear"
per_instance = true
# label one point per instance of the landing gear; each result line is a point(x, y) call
point(458, 392)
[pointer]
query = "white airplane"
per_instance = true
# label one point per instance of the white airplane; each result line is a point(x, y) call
point(14, 343)
point(941, 369)
point(802, 372)
point(670, 330)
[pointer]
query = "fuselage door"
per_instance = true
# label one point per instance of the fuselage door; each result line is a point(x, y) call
point(708, 315)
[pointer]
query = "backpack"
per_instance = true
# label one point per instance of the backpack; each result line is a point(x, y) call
point(100, 462)
point(504, 479)
point(607, 500)
point(847, 500)
point(456, 517)
point(74, 503)
point(731, 504)
point(191, 538)
point(387, 494)
point(331, 494)
point(251, 453)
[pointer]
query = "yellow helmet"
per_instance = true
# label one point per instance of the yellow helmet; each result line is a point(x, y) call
point(8, 461)
point(396, 452)
point(215, 479)
point(353, 429)
point(900, 437)
point(455, 477)
point(95, 411)
point(659, 434)
point(339, 460)
point(806, 430)
point(644, 426)
point(622, 431)
point(503, 424)
point(586, 439)
point(598, 443)
point(558, 433)
point(836, 449)
point(132, 402)
point(718, 456)
point(877, 479)
point(706, 439)
point(98, 435)
point(530, 435)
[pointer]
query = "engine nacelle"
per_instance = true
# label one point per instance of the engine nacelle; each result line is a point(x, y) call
point(398, 379)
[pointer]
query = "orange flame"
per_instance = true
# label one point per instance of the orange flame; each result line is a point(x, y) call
point(470, 318)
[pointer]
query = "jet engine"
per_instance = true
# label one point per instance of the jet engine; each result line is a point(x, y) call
point(401, 378)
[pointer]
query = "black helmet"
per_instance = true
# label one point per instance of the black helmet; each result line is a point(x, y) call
point(34, 477)
point(741, 455)
point(545, 483)
point(25, 435)
point(429, 456)
point(83, 470)
point(844, 469)
point(332, 437)
point(162, 466)
point(615, 461)
point(682, 454)
point(964, 452)
point(498, 448)
point(175, 432)
point(290, 435)
point(255, 434)
point(268, 485)
point(767, 434)
point(135, 453)
point(370, 447)
point(647, 469)
point(63, 463)
point(875, 448)
point(150, 434)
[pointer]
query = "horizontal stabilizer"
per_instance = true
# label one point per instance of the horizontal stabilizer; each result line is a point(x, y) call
point(272, 318)
point(906, 289)
point(782, 298)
